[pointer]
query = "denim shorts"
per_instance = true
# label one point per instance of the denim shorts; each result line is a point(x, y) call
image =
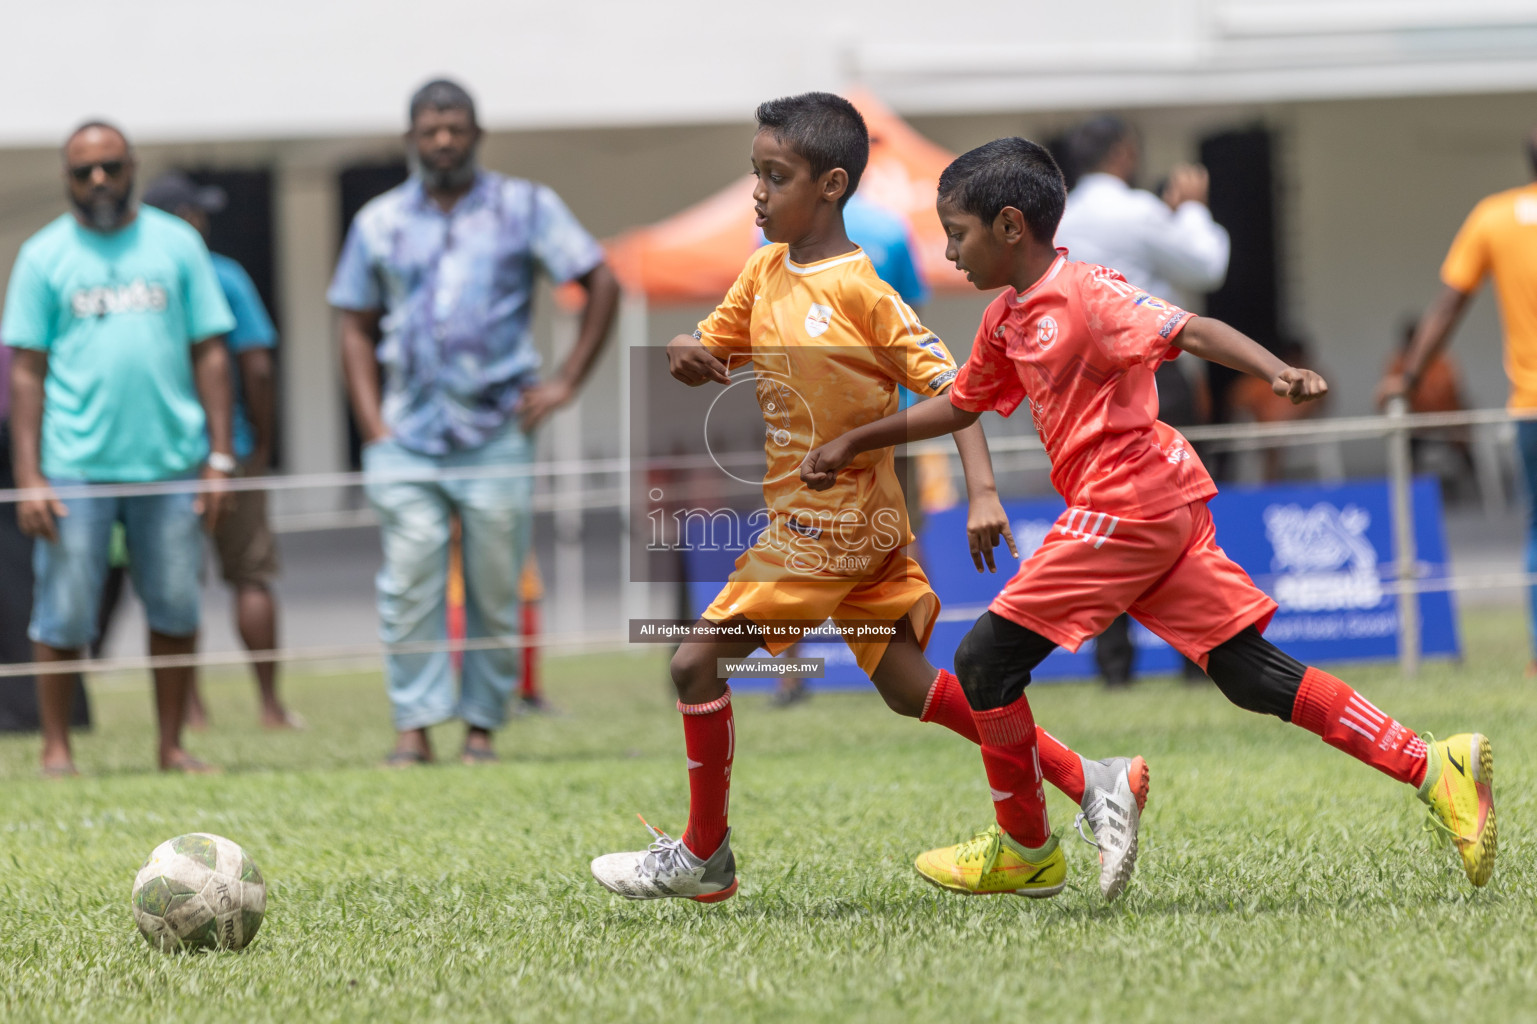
point(165, 561)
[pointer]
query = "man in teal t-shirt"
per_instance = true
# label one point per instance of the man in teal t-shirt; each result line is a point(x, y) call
point(119, 375)
point(247, 549)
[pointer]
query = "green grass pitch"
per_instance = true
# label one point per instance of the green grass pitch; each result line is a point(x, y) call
point(1278, 879)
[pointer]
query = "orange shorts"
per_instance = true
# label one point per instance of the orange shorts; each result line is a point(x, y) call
point(762, 590)
point(1168, 572)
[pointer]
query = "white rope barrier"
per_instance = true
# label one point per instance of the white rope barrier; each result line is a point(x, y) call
point(1019, 447)
point(1290, 432)
point(607, 640)
point(1273, 434)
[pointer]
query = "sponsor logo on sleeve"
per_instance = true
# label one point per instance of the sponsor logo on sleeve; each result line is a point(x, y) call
point(1174, 319)
point(942, 379)
point(1176, 452)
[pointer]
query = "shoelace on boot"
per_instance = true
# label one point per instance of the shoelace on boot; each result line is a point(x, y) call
point(1078, 825)
point(984, 846)
point(665, 855)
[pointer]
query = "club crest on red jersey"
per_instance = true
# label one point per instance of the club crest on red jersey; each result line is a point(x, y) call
point(817, 319)
point(1046, 332)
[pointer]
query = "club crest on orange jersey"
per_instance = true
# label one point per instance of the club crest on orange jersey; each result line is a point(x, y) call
point(817, 319)
point(1046, 332)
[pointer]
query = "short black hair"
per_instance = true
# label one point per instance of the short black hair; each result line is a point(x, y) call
point(1007, 172)
point(86, 126)
point(1090, 144)
point(442, 94)
point(824, 130)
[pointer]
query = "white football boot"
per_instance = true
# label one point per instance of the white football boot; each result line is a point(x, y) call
point(669, 869)
point(1114, 792)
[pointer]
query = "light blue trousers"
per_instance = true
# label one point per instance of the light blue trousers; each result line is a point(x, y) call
point(411, 587)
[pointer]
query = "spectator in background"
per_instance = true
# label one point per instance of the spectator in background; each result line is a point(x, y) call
point(1499, 238)
point(1438, 386)
point(119, 375)
point(18, 694)
point(1169, 247)
point(441, 270)
point(1445, 453)
point(248, 556)
point(1166, 245)
point(887, 239)
point(1250, 404)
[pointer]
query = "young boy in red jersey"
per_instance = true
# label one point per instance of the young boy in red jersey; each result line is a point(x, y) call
point(831, 342)
point(1080, 345)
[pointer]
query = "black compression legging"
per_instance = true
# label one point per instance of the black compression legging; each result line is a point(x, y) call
point(996, 657)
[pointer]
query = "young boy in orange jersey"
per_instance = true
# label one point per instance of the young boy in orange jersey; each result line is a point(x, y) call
point(1080, 345)
point(831, 342)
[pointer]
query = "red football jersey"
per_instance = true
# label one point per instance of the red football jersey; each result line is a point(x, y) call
point(1081, 345)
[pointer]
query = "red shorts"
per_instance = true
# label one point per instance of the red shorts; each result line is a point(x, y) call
point(1168, 572)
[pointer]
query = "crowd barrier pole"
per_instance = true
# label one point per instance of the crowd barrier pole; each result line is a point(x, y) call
point(1400, 480)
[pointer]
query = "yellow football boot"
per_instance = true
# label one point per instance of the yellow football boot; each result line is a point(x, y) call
point(1459, 789)
point(991, 862)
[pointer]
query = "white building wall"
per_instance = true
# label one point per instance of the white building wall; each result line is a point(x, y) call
point(188, 69)
point(1378, 191)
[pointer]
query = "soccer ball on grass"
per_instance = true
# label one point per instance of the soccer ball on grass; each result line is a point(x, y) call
point(199, 891)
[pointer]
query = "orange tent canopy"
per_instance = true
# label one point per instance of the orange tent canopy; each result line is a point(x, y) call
point(695, 255)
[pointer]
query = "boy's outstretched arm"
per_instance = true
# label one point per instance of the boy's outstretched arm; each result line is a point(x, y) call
point(986, 521)
point(1216, 341)
point(929, 418)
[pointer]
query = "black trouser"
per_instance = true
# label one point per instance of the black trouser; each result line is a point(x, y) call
point(996, 657)
point(18, 694)
point(1114, 654)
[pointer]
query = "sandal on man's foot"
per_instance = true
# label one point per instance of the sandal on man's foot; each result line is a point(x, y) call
point(406, 759)
point(478, 755)
point(186, 764)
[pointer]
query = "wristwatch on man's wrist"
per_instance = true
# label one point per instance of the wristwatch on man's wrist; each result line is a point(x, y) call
point(222, 462)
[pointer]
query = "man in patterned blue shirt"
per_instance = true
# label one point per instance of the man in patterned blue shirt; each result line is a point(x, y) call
point(435, 284)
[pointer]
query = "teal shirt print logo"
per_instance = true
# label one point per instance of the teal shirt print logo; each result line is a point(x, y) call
point(138, 296)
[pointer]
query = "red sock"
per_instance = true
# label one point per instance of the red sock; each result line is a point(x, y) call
point(946, 705)
point(1329, 708)
point(1014, 771)
point(1062, 767)
point(710, 739)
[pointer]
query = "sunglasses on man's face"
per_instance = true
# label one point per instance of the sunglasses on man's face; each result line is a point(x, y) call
point(83, 172)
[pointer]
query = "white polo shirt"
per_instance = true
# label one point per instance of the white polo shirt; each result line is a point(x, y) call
point(1169, 253)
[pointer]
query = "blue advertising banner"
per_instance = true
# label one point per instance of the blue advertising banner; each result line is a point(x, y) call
point(1324, 552)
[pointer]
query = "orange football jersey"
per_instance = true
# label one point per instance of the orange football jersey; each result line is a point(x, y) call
point(826, 345)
